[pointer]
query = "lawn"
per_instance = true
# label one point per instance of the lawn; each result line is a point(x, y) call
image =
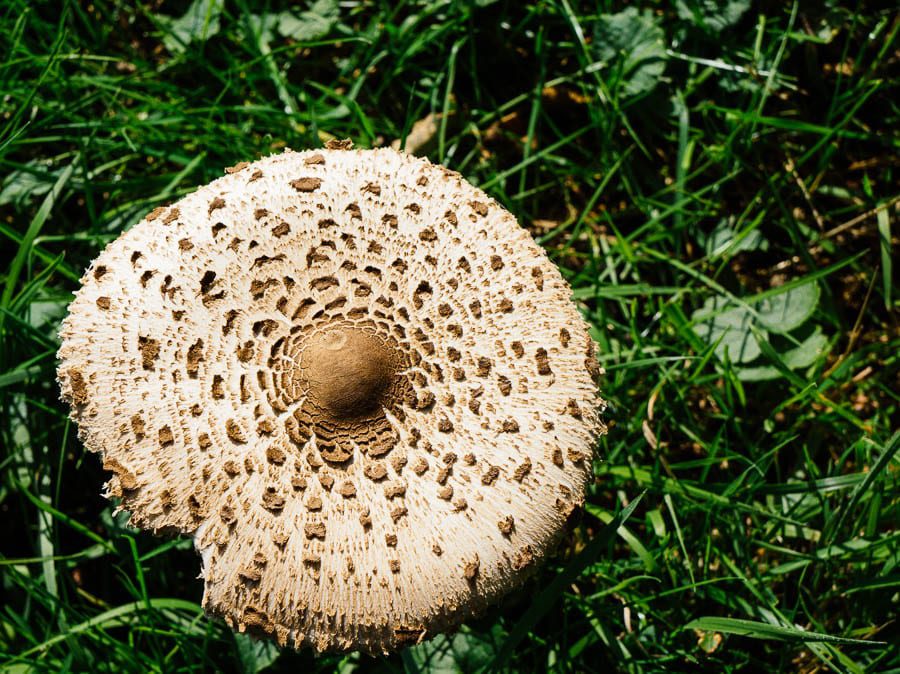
point(719, 182)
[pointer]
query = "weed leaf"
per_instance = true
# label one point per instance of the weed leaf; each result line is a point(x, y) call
point(199, 23)
point(633, 45)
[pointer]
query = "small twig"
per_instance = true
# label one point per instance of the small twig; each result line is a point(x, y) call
point(858, 219)
point(854, 333)
point(814, 245)
point(792, 169)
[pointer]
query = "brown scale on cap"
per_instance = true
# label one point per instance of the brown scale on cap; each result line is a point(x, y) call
point(330, 331)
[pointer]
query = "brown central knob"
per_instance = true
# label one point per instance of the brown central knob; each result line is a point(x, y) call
point(347, 371)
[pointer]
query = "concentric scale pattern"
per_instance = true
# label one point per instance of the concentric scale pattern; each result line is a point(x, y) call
point(353, 378)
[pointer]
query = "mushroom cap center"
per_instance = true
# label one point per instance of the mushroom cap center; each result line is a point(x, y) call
point(347, 371)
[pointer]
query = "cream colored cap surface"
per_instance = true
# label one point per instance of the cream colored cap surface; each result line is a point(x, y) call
point(353, 378)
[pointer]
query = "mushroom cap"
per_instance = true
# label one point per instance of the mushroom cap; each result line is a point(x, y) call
point(353, 378)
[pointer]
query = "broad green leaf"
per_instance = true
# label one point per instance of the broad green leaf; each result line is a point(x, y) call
point(724, 237)
point(199, 23)
point(255, 654)
point(802, 355)
point(788, 310)
point(710, 15)
point(312, 24)
point(263, 26)
point(727, 328)
point(730, 327)
point(465, 651)
point(21, 185)
point(633, 45)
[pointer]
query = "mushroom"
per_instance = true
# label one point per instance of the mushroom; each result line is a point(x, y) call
point(353, 378)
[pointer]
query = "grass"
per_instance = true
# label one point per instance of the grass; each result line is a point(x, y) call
point(719, 187)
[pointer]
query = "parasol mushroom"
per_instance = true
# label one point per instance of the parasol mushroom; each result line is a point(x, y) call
point(355, 381)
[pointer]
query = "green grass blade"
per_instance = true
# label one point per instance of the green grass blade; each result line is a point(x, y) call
point(758, 630)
